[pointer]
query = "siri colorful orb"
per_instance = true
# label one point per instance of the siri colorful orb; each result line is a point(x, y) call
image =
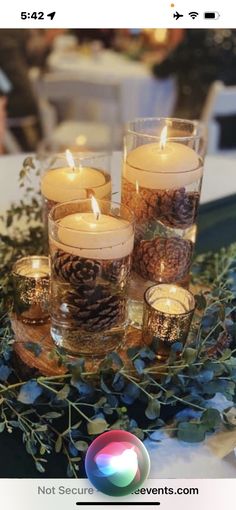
point(117, 463)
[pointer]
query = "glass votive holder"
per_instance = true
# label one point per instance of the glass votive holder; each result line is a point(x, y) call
point(30, 276)
point(168, 313)
point(74, 176)
point(91, 244)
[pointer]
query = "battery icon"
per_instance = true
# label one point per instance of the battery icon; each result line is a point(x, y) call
point(211, 15)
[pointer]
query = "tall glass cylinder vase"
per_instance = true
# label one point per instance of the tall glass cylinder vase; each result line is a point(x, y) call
point(162, 176)
point(91, 244)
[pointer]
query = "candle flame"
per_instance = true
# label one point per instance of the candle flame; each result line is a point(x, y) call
point(95, 208)
point(70, 159)
point(137, 187)
point(163, 138)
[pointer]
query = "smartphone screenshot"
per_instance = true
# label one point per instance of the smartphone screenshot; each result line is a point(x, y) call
point(117, 255)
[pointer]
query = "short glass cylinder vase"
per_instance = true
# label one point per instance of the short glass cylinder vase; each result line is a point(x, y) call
point(91, 244)
point(70, 176)
point(162, 176)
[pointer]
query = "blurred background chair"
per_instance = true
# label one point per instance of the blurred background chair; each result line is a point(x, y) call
point(79, 87)
point(55, 89)
point(220, 105)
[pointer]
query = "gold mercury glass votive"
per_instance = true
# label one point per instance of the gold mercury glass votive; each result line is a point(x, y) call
point(168, 313)
point(30, 277)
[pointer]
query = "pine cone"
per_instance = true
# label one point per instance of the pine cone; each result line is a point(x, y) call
point(117, 271)
point(168, 259)
point(74, 269)
point(175, 208)
point(184, 209)
point(95, 309)
point(143, 209)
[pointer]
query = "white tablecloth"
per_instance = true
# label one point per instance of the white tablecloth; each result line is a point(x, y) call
point(142, 95)
point(170, 458)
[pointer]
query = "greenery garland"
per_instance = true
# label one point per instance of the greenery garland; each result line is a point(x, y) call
point(65, 413)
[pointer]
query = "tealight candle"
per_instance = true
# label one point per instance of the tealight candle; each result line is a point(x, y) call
point(31, 289)
point(171, 306)
point(168, 312)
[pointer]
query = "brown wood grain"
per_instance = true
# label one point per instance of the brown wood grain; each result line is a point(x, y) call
point(25, 333)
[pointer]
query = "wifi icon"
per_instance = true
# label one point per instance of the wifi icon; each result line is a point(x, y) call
point(193, 14)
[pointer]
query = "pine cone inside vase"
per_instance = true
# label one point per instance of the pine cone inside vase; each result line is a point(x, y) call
point(95, 309)
point(175, 208)
point(143, 209)
point(163, 259)
point(184, 209)
point(74, 269)
point(117, 270)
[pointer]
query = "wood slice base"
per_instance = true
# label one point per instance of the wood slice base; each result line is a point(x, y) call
point(26, 336)
point(30, 338)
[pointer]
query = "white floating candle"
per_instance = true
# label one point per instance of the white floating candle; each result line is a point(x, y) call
point(164, 165)
point(95, 235)
point(71, 183)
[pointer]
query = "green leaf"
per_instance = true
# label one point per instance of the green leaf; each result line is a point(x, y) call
point(81, 446)
point(64, 392)
point(33, 347)
point(39, 467)
point(29, 392)
point(230, 416)
point(58, 444)
point(211, 419)
point(200, 301)
point(30, 447)
point(153, 409)
point(115, 358)
point(189, 355)
point(52, 415)
point(97, 426)
point(190, 432)
point(41, 428)
point(226, 355)
point(75, 459)
point(2, 426)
